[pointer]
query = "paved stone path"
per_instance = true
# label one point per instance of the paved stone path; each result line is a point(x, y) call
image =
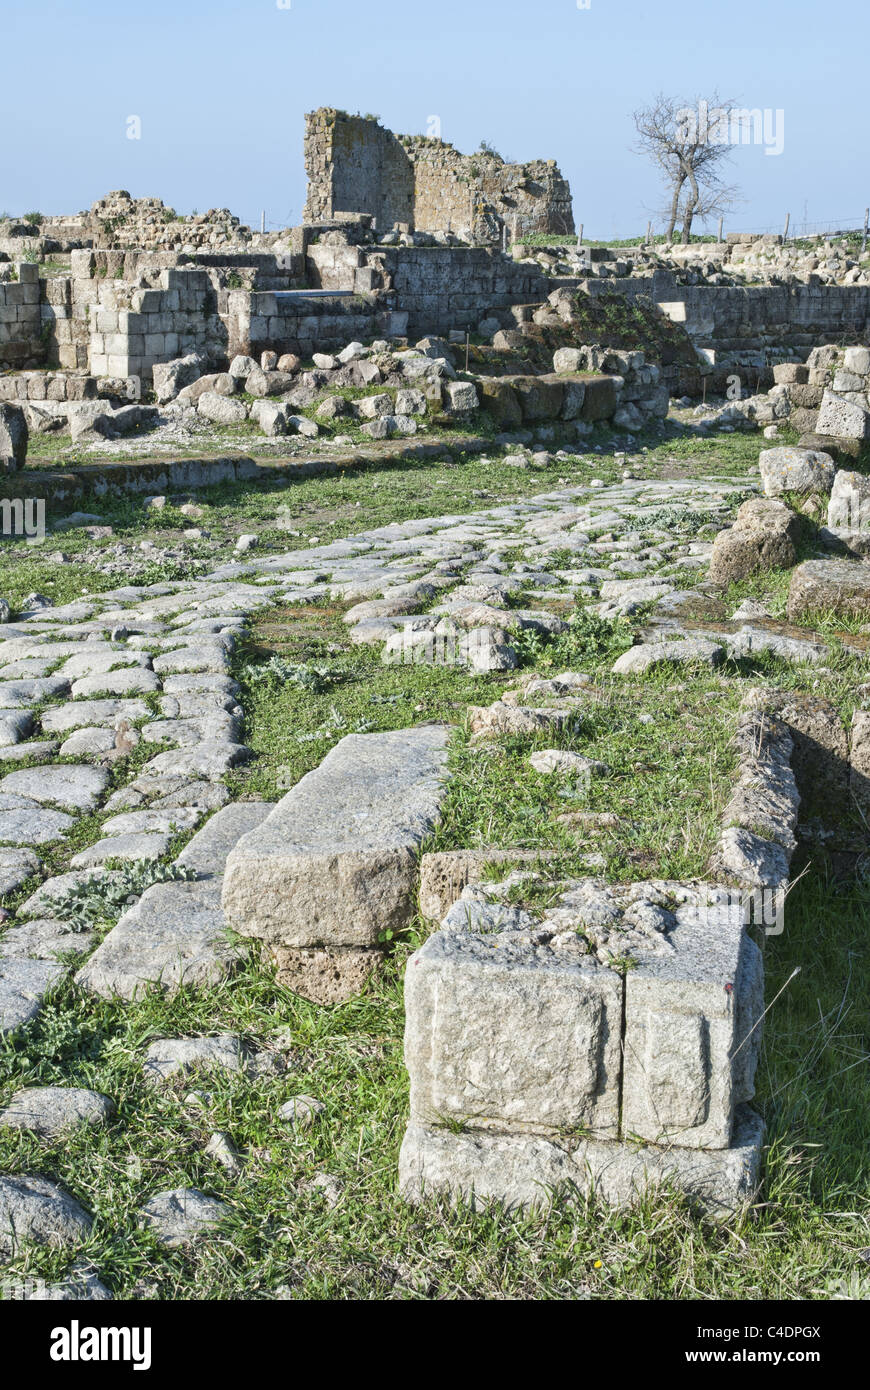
point(81, 686)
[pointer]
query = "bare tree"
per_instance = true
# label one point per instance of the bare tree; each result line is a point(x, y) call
point(688, 143)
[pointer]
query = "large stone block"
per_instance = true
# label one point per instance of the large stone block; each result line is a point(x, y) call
point(601, 398)
point(763, 537)
point(500, 400)
point(503, 1033)
point(683, 1014)
point(335, 863)
point(795, 470)
point(540, 397)
point(841, 417)
point(849, 504)
point(836, 586)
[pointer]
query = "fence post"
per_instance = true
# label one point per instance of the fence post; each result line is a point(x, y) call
point(721, 225)
point(785, 232)
point(864, 237)
point(580, 235)
point(263, 221)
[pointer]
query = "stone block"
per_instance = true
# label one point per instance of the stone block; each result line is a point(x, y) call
point(837, 586)
point(13, 437)
point(601, 398)
point(531, 1172)
point(335, 863)
point(681, 1030)
point(795, 470)
point(843, 418)
point(504, 1033)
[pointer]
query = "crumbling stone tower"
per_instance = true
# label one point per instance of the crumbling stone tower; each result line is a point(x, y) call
point(355, 165)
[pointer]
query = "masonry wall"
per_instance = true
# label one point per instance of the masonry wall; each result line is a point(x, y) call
point(21, 343)
point(131, 330)
point(439, 287)
point(292, 321)
point(730, 318)
point(354, 165)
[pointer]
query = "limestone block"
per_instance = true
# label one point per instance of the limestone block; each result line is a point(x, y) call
point(530, 1172)
point(841, 417)
point(335, 862)
point(795, 470)
point(681, 1029)
point(501, 1032)
point(838, 586)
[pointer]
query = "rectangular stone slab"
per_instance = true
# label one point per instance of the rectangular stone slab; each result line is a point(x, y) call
point(176, 933)
point(335, 862)
point(528, 1170)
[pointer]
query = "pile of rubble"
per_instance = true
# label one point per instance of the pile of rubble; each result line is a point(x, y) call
point(741, 260)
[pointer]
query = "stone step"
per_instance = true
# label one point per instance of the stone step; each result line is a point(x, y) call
point(333, 869)
point(529, 1170)
point(176, 933)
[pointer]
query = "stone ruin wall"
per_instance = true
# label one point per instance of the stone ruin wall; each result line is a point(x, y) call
point(355, 165)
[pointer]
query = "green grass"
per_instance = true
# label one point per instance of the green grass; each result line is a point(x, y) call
point(802, 1239)
point(665, 741)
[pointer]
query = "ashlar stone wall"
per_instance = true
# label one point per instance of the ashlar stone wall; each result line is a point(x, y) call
point(355, 165)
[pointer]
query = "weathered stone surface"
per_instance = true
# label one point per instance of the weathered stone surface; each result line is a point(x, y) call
point(795, 470)
point(134, 847)
point(326, 974)
point(34, 1211)
point(443, 876)
point(751, 641)
point(512, 1035)
point(92, 714)
point(161, 822)
point(683, 651)
point(489, 721)
point(561, 760)
point(97, 659)
point(135, 680)
point(209, 760)
point(14, 725)
point(302, 1112)
point(844, 418)
point(681, 1024)
point(745, 858)
point(849, 503)
point(210, 847)
point(763, 537)
point(183, 1215)
point(43, 938)
point(23, 986)
point(16, 865)
point(859, 773)
point(837, 586)
point(176, 933)
point(335, 862)
point(13, 437)
point(20, 694)
point(51, 1110)
point(75, 788)
point(169, 1057)
point(530, 1171)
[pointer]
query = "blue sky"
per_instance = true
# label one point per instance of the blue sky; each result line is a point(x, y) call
point(221, 89)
